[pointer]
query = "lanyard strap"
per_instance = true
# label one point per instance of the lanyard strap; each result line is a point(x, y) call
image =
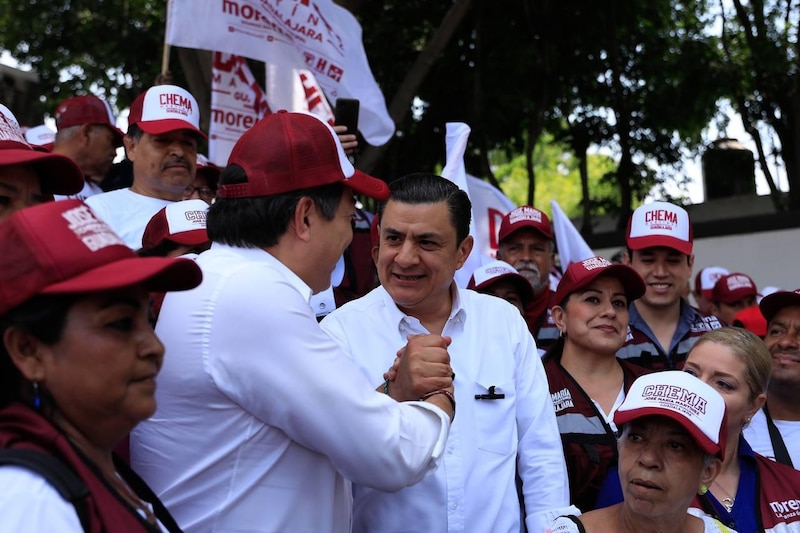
point(778, 447)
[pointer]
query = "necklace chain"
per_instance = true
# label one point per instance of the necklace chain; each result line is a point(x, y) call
point(728, 501)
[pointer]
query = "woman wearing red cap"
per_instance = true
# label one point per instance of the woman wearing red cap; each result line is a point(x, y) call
point(673, 435)
point(587, 381)
point(78, 365)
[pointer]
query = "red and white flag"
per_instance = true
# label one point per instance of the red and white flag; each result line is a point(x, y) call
point(316, 35)
point(237, 102)
point(296, 90)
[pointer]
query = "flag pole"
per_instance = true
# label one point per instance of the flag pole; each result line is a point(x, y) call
point(165, 59)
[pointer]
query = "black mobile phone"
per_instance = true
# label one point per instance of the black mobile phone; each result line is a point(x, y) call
point(346, 113)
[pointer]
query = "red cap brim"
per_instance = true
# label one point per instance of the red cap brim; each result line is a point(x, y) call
point(367, 185)
point(160, 127)
point(706, 444)
point(58, 174)
point(158, 274)
point(190, 238)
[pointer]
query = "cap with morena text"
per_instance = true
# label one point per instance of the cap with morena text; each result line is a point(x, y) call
point(525, 217)
point(286, 152)
point(81, 110)
point(733, 287)
point(581, 273)
point(660, 224)
point(63, 248)
point(181, 222)
point(487, 275)
point(771, 304)
point(706, 279)
point(165, 108)
point(684, 398)
point(58, 174)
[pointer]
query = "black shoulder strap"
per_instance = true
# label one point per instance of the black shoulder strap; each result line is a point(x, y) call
point(577, 522)
point(781, 453)
point(58, 475)
point(147, 494)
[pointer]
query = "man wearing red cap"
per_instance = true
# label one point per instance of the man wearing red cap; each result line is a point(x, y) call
point(27, 176)
point(732, 293)
point(87, 134)
point(663, 326)
point(161, 143)
point(526, 243)
point(703, 285)
point(774, 431)
point(263, 422)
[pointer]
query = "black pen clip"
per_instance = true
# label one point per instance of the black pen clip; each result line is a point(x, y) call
point(491, 396)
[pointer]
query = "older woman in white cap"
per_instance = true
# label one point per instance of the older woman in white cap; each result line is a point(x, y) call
point(673, 435)
point(587, 381)
point(78, 367)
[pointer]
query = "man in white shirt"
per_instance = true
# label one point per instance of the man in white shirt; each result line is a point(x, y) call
point(774, 431)
point(506, 423)
point(87, 134)
point(161, 142)
point(262, 420)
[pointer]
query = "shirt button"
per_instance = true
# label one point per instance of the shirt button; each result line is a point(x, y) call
point(454, 506)
point(450, 449)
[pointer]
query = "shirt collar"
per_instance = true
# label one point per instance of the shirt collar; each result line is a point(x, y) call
point(410, 325)
point(258, 255)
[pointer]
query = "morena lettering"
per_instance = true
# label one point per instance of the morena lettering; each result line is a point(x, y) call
point(232, 119)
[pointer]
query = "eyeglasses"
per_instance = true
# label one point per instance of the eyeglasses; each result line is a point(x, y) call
point(206, 193)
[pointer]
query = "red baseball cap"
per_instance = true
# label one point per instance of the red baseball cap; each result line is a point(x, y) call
point(58, 174)
point(706, 279)
point(165, 108)
point(772, 303)
point(525, 217)
point(732, 288)
point(287, 151)
point(90, 109)
point(487, 275)
point(752, 320)
point(682, 397)
point(180, 222)
point(582, 273)
point(660, 224)
point(63, 248)
point(208, 170)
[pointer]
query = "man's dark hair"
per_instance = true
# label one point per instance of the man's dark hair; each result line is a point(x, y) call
point(425, 188)
point(135, 132)
point(44, 317)
point(259, 222)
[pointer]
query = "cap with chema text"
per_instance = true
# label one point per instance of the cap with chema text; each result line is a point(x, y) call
point(660, 224)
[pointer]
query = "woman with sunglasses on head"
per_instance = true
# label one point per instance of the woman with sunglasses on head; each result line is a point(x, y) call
point(78, 367)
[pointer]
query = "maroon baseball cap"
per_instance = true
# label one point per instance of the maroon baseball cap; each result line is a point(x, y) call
point(180, 222)
point(287, 151)
point(58, 174)
point(732, 288)
point(90, 109)
point(487, 275)
point(772, 303)
point(525, 217)
point(582, 273)
point(63, 248)
point(165, 108)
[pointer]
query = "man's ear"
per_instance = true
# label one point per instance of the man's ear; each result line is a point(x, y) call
point(130, 147)
point(304, 213)
point(85, 133)
point(25, 353)
point(464, 250)
point(626, 257)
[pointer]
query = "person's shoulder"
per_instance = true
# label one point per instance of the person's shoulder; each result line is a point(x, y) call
point(29, 503)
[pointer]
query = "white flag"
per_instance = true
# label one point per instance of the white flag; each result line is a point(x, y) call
point(456, 144)
point(237, 102)
point(296, 90)
point(317, 35)
point(489, 206)
point(570, 243)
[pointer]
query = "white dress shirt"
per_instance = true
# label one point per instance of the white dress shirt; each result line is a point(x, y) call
point(261, 418)
point(474, 487)
point(126, 212)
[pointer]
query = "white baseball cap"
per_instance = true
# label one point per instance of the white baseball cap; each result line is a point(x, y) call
point(164, 108)
point(685, 399)
point(182, 222)
point(706, 279)
point(660, 224)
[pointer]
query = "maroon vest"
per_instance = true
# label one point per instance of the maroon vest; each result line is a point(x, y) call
point(23, 428)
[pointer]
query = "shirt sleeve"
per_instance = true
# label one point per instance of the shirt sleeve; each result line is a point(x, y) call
point(29, 503)
point(541, 463)
point(564, 524)
point(284, 370)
